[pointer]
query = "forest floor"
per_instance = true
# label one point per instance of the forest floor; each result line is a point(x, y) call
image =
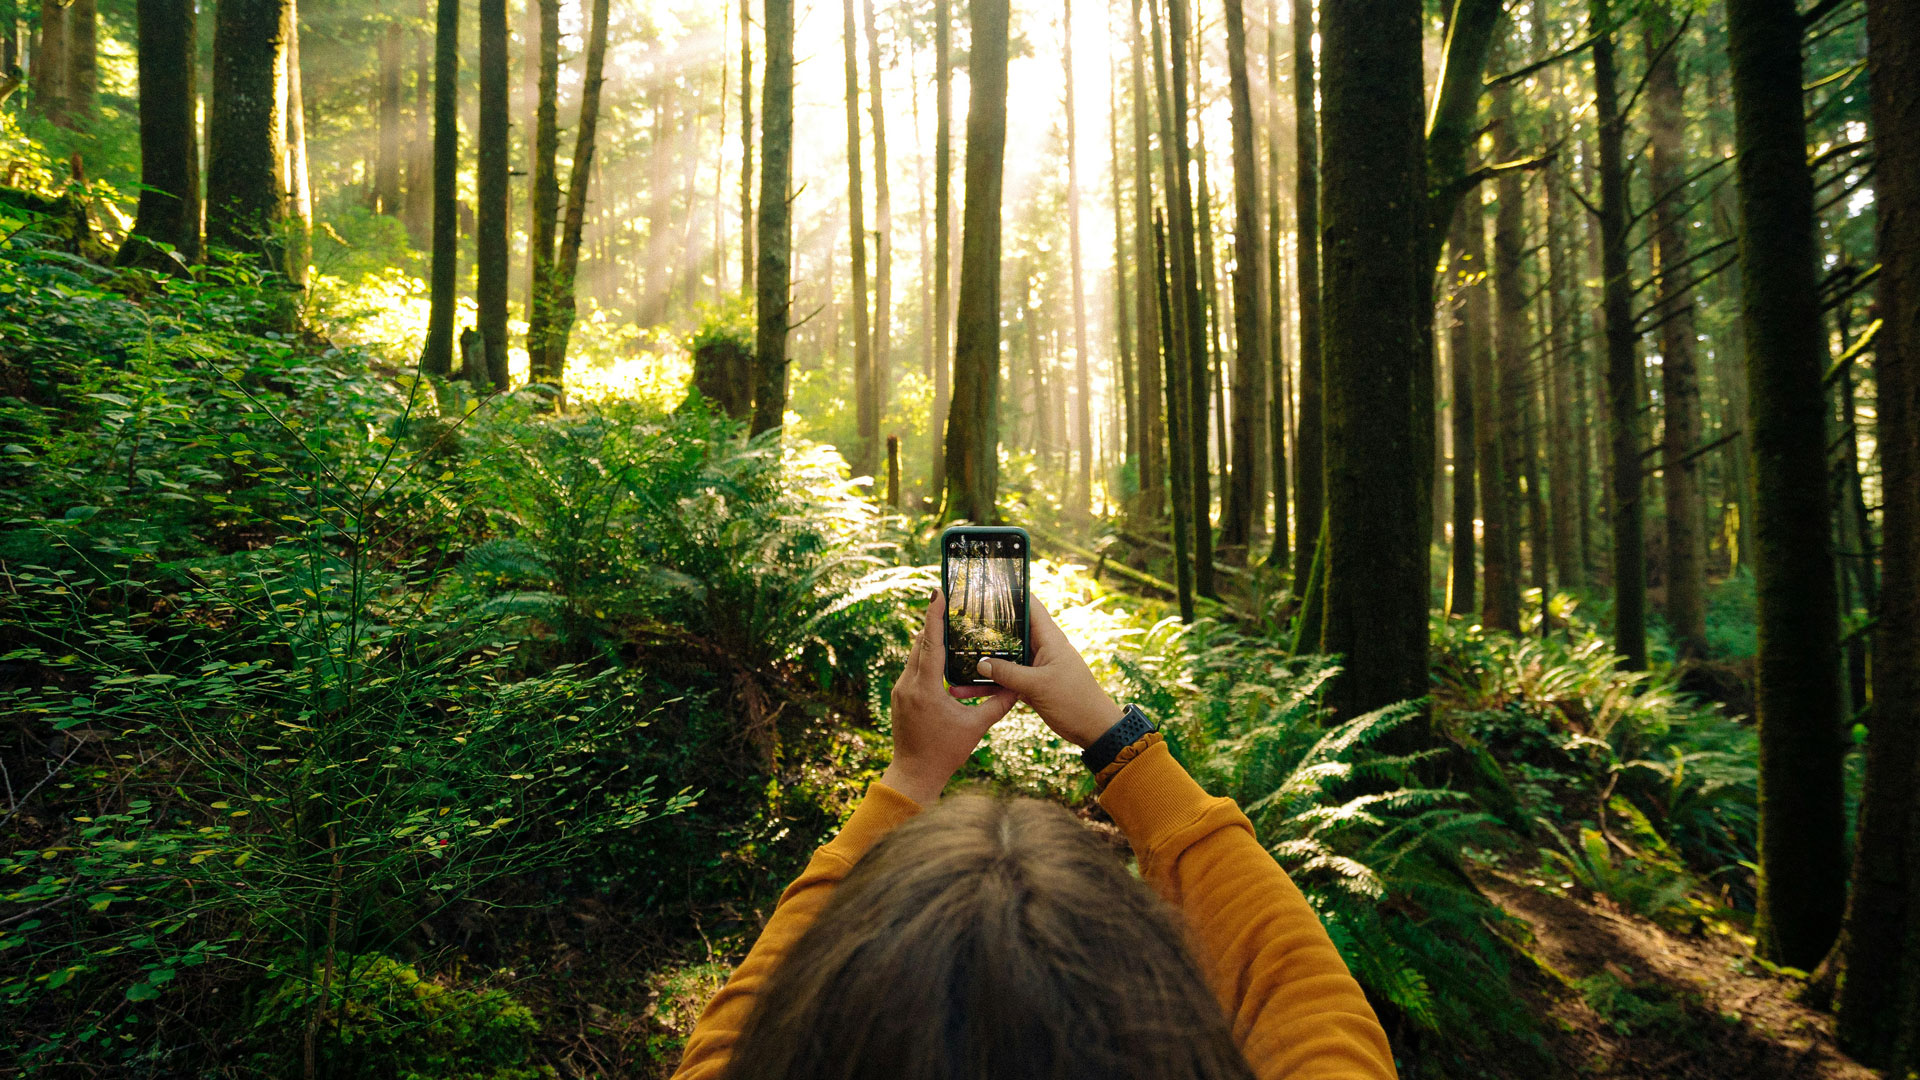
point(1624, 997)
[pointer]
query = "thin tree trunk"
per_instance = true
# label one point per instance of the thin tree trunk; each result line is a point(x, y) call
point(866, 398)
point(973, 426)
point(1496, 548)
point(1246, 497)
point(1082, 503)
point(246, 128)
point(1466, 244)
point(1127, 447)
point(1568, 568)
point(436, 356)
point(746, 151)
point(169, 210)
point(299, 188)
point(883, 225)
point(1280, 554)
point(1881, 994)
point(1509, 385)
point(417, 202)
point(386, 174)
point(1376, 286)
point(1178, 445)
point(543, 363)
point(1686, 558)
point(83, 61)
point(1802, 816)
point(490, 226)
point(574, 222)
point(942, 239)
point(1182, 235)
point(1308, 448)
point(1625, 396)
point(1146, 307)
point(50, 63)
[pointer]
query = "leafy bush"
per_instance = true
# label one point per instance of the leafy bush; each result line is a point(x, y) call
point(386, 1022)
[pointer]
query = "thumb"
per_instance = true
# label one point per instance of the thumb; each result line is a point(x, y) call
point(1018, 678)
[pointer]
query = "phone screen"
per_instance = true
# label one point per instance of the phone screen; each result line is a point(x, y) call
point(986, 576)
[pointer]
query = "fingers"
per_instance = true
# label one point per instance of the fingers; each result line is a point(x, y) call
point(930, 648)
point(1018, 678)
point(996, 707)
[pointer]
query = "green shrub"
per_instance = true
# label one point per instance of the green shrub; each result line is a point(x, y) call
point(383, 1021)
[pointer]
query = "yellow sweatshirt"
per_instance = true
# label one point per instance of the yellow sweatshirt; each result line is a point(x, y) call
point(1294, 1009)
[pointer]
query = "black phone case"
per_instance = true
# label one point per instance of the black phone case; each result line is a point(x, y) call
point(956, 677)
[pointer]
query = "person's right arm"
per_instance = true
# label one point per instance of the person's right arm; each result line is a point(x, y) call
point(1294, 1008)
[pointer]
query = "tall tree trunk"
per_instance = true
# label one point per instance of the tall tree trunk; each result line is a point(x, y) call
point(436, 356)
point(566, 267)
point(883, 225)
point(747, 261)
point(1127, 447)
point(1376, 285)
point(1246, 498)
point(1680, 389)
point(543, 363)
point(942, 238)
point(1181, 234)
point(169, 210)
point(299, 231)
point(866, 399)
point(1568, 510)
point(1880, 996)
point(1627, 512)
point(1146, 307)
point(1308, 448)
point(1280, 554)
point(1466, 251)
point(1179, 446)
point(490, 226)
point(1082, 503)
point(246, 128)
point(1509, 385)
point(1802, 818)
point(50, 62)
point(973, 426)
point(386, 174)
point(417, 203)
point(1498, 588)
point(83, 61)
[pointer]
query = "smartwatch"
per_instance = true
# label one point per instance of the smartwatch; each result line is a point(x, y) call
point(1133, 725)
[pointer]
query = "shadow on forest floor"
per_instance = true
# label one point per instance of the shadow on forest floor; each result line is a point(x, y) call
point(1626, 998)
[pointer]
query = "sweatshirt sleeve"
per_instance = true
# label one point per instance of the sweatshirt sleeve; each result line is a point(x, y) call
point(1295, 1010)
point(720, 1025)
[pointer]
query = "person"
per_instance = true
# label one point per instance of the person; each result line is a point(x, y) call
point(975, 937)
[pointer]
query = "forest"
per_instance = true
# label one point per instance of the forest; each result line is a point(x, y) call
point(470, 474)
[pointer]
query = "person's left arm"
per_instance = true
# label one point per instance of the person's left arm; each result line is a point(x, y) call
point(932, 736)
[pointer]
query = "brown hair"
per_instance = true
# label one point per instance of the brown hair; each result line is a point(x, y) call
point(989, 938)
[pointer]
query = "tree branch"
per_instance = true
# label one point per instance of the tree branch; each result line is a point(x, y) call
point(1520, 73)
point(1811, 18)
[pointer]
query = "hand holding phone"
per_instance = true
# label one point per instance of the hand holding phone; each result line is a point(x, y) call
point(983, 571)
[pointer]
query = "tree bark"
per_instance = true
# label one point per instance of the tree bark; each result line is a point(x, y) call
point(1246, 498)
point(942, 237)
point(1881, 993)
point(83, 61)
point(1125, 447)
point(1467, 253)
point(49, 80)
point(1506, 389)
point(883, 226)
point(1308, 448)
point(567, 266)
point(386, 175)
point(973, 425)
point(1082, 503)
point(1568, 509)
point(543, 363)
point(436, 357)
point(299, 233)
point(1146, 308)
point(866, 398)
point(1376, 285)
point(1625, 396)
point(246, 128)
point(169, 209)
point(1188, 294)
point(1802, 819)
point(1280, 552)
point(1177, 389)
point(1686, 558)
point(490, 211)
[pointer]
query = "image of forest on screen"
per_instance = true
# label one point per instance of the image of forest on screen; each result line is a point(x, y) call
point(986, 591)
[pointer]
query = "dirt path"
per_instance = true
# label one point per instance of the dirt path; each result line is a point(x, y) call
point(1639, 1001)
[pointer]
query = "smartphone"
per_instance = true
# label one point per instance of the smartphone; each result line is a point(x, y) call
point(983, 570)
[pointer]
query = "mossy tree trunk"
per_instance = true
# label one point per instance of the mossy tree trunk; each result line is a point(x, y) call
point(1880, 996)
point(169, 209)
point(1246, 496)
point(1178, 417)
point(772, 279)
point(973, 423)
point(1802, 819)
point(490, 210)
point(1308, 452)
point(1507, 389)
point(83, 61)
point(1374, 207)
point(866, 399)
point(246, 128)
point(1280, 552)
point(1146, 309)
point(436, 358)
point(543, 365)
point(1189, 294)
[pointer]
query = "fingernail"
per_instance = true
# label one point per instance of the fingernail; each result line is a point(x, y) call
point(985, 667)
point(934, 594)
